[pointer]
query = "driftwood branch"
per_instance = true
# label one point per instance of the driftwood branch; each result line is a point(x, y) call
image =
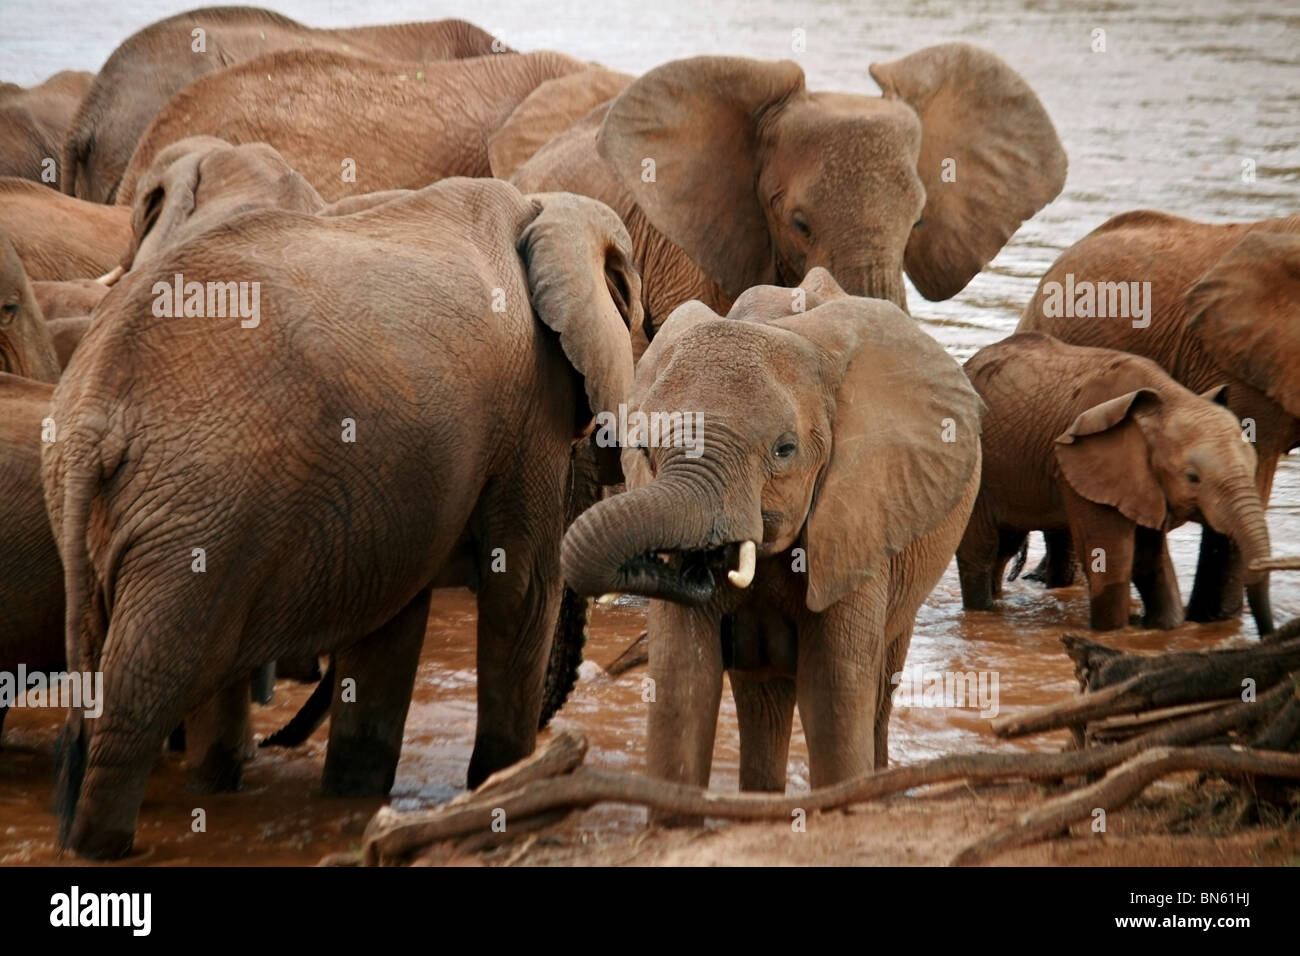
point(1190, 678)
point(1123, 784)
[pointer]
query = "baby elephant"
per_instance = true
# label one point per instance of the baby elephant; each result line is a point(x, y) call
point(1106, 447)
point(800, 473)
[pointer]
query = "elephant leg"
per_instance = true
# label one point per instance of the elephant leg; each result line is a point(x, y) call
point(1009, 544)
point(518, 607)
point(217, 735)
point(685, 691)
point(1105, 539)
point(896, 657)
point(103, 762)
point(1217, 587)
point(1061, 568)
point(839, 682)
point(368, 716)
point(977, 555)
point(765, 711)
point(1156, 580)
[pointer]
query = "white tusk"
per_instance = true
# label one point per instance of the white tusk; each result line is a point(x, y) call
point(108, 278)
point(743, 576)
point(605, 600)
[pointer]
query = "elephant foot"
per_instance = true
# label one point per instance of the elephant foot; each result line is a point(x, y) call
point(490, 755)
point(1164, 620)
point(362, 768)
point(100, 844)
point(1207, 612)
point(219, 772)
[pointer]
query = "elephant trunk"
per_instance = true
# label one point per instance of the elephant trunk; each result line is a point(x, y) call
point(1243, 521)
point(875, 280)
point(663, 540)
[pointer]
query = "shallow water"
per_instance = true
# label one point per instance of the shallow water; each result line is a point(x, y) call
point(1163, 119)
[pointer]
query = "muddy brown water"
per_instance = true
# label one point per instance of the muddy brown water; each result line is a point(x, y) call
point(1184, 94)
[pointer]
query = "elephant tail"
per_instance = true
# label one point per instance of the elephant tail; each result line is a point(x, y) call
point(1018, 564)
point(570, 637)
point(310, 715)
point(79, 487)
point(566, 654)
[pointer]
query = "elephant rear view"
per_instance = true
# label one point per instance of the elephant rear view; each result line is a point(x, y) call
point(1107, 447)
point(400, 397)
point(798, 483)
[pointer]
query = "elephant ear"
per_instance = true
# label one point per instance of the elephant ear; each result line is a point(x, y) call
point(1246, 312)
point(1105, 458)
point(904, 446)
point(548, 111)
point(164, 199)
point(584, 287)
point(698, 120)
point(1007, 160)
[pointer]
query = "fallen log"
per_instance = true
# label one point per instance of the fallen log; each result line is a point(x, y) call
point(1121, 786)
point(1201, 677)
point(517, 794)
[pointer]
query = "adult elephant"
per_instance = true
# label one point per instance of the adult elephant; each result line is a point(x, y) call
point(407, 397)
point(796, 488)
point(354, 125)
point(1107, 447)
point(730, 173)
point(153, 64)
point(31, 580)
point(1223, 308)
point(59, 237)
point(34, 122)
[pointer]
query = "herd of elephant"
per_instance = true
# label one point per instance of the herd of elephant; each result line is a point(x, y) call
point(464, 257)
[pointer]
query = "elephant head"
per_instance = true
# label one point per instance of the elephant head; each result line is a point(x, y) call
point(1164, 457)
point(200, 181)
point(1246, 312)
point(759, 179)
point(779, 428)
point(26, 347)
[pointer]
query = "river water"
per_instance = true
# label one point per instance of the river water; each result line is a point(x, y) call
point(1163, 118)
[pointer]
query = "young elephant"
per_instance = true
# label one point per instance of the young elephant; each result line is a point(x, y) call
point(833, 472)
point(1222, 307)
point(225, 494)
point(1105, 445)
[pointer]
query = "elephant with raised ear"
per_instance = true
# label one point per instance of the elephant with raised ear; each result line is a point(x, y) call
point(796, 488)
point(730, 173)
point(354, 479)
point(1106, 447)
point(156, 62)
point(1223, 308)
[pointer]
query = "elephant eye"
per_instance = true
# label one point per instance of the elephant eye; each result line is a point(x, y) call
point(801, 224)
point(1193, 477)
point(7, 312)
point(785, 448)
